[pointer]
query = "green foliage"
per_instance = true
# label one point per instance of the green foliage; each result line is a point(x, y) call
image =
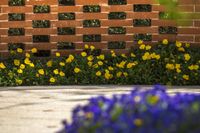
point(41, 9)
point(65, 45)
point(16, 2)
point(117, 2)
point(116, 30)
point(141, 22)
point(16, 16)
point(41, 38)
point(167, 30)
point(66, 16)
point(91, 38)
point(41, 24)
point(144, 37)
point(117, 15)
point(117, 45)
point(92, 23)
point(91, 8)
point(16, 31)
point(142, 8)
point(66, 31)
point(66, 2)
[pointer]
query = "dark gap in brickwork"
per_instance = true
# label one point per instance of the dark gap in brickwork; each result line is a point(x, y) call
point(16, 2)
point(65, 45)
point(142, 8)
point(41, 23)
point(42, 53)
point(66, 2)
point(116, 30)
point(117, 45)
point(117, 15)
point(16, 32)
point(14, 46)
point(141, 22)
point(91, 8)
point(66, 16)
point(144, 37)
point(66, 30)
point(41, 9)
point(167, 30)
point(16, 16)
point(117, 2)
point(41, 38)
point(92, 23)
point(92, 38)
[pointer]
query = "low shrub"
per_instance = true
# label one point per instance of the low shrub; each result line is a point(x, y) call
point(165, 63)
point(150, 111)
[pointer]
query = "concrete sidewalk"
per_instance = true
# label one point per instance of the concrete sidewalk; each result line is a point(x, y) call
point(41, 109)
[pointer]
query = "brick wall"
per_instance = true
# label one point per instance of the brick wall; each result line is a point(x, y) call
point(66, 29)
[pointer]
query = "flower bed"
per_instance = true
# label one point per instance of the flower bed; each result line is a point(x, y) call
point(165, 63)
point(150, 111)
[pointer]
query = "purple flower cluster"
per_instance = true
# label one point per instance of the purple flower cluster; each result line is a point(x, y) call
point(141, 111)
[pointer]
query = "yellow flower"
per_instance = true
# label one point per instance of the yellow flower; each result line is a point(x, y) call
point(177, 66)
point(119, 74)
point(98, 73)
point(186, 77)
point(193, 67)
point(107, 71)
point(187, 45)
point(41, 71)
point(70, 59)
point(101, 57)
point(49, 63)
point(170, 66)
point(16, 62)
point(123, 55)
point(178, 44)
point(52, 80)
point(90, 58)
point(2, 66)
point(142, 46)
point(90, 63)
point(27, 61)
point(92, 47)
point(22, 66)
point(62, 74)
point(77, 70)
point(181, 49)
point(121, 64)
point(133, 55)
point(57, 54)
point(31, 65)
point(100, 63)
point(18, 81)
point(34, 50)
point(83, 54)
point(130, 65)
point(95, 65)
point(125, 74)
point(146, 56)
point(148, 47)
point(19, 50)
point(140, 42)
point(62, 63)
point(110, 68)
point(178, 70)
point(86, 46)
point(19, 71)
point(157, 57)
point(165, 41)
point(107, 75)
point(37, 75)
point(27, 55)
point(113, 55)
point(56, 71)
point(138, 122)
point(187, 57)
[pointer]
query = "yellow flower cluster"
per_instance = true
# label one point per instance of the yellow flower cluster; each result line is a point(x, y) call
point(148, 56)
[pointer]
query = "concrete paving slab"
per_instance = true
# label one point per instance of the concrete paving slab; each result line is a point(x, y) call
point(40, 109)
